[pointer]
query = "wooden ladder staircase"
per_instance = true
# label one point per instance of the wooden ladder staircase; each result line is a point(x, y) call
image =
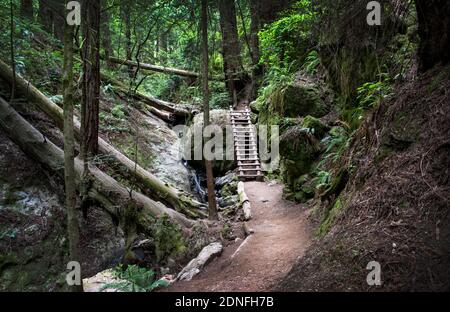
point(249, 166)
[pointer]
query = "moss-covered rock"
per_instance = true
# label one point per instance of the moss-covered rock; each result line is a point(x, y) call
point(305, 97)
point(316, 127)
point(298, 151)
point(192, 147)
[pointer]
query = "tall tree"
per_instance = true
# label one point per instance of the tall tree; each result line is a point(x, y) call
point(26, 8)
point(45, 15)
point(69, 154)
point(91, 79)
point(262, 12)
point(434, 32)
point(105, 31)
point(59, 19)
point(126, 10)
point(205, 69)
point(12, 30)
point(231, 49)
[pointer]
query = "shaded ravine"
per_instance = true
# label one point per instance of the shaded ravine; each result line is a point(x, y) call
point(282, 234)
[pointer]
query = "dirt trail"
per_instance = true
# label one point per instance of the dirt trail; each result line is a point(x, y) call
point(281, 236)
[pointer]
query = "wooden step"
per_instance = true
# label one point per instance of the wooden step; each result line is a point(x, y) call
point(248, 169)
point(239, 149)
point(253, 164)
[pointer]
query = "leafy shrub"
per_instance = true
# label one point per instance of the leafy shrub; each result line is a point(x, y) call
point(311, 63)
point(135, 279)
point(286, 40)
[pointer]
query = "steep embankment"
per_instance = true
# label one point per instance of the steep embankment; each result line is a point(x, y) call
point(395, 207)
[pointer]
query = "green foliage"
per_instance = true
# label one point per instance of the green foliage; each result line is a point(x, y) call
point(336, 144)
point(287, 40)
point(169, 241)
point(135, 279)
point(312, 62)
point(369, 95)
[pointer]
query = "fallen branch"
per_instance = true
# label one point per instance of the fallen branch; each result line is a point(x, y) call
point(104, 189)
point(156, 68)
point(244, 201)
point(151, 101)
point(161, 191)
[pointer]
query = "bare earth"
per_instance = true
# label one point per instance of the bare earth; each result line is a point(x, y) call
point(282, 234)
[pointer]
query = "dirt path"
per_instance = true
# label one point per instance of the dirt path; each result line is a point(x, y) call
point(281, 235)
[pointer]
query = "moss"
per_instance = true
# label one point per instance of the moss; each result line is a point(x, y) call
point(7, 260)
point(169, 241)
point(292, 101)
point(227, 231)
point(298, 151)
point(436, 82)
point(383, 152)
point(229, 189)
point(337, 184)
point(329, 218)
point(315, 126)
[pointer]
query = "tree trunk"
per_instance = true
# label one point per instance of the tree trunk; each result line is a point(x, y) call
point(161, 191)
point(262, 12)
point(104, 189)
point(126, 8)
point(69, 152)
point(156, 68)
point(231, 49)
point(59, 19)
point(106, 32)
point(26, 9)
point(434, 32)
point(205, 68)
point(45, 16)
point(91, 79)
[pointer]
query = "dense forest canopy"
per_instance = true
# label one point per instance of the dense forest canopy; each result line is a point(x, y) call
point(103, 103)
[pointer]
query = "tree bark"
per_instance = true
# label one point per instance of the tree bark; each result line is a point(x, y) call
point(59, 19)
point(231, 49)
point(434, 32)
point(126, 9)
point(106, 32)
point(104, 189)
point(161, 191)
point(45, 16)
point(205, 68)
point(156, 68)
point(69, 152)
point(91, 79)
point(26, 9)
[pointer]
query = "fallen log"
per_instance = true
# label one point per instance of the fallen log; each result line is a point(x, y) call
point(196, 264)
point(156, 68)
point(244, 201)
point(161, 114)
point(161, 191)
point(104, 189)
point(151, 101)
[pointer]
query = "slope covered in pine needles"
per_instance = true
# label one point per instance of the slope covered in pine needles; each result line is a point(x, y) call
point(395, 207)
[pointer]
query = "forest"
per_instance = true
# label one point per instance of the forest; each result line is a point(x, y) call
point(224, 146)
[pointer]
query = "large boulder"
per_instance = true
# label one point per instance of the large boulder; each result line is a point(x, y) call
point(306, 96)
point(299, 149)
point(226, 162)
